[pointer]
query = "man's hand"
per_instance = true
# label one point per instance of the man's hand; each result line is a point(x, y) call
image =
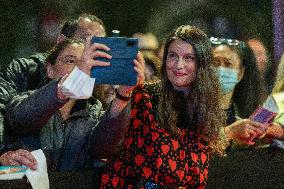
point(78, 84)
point(92, 51)
point(19, 157)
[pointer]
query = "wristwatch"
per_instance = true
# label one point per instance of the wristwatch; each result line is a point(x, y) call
point(120, 97)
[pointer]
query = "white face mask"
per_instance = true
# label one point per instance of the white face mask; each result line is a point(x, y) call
point(228, 79)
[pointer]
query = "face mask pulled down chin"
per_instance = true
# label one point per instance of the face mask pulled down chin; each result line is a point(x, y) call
point(228, 79)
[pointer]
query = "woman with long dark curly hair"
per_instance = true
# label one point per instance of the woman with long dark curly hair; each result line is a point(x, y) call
point(196, 104)
point(175, 124)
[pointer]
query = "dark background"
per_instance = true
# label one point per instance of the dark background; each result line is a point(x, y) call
point(30, 26)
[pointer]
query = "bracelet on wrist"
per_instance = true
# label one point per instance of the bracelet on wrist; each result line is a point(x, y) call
point(120, 97)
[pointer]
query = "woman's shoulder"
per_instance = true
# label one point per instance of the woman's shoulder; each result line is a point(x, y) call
point(153, 87)
point(150, 90)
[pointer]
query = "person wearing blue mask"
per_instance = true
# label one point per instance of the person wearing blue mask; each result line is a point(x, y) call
point(240, 79)
point(241, 84)
point(228, 78)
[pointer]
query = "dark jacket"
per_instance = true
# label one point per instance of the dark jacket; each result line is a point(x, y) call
point(20, 75)
point(34, 121)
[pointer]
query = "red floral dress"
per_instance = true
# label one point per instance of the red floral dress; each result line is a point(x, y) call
point(150, 154)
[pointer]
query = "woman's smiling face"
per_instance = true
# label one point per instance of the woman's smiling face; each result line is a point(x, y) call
point(181, 65)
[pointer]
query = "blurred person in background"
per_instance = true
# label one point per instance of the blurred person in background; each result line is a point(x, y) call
point(160, 51)
point(260, 53)
point(147, 41)
point(241, 83)
point(152, 66)
point(275, 133)
point(263, 61)
point(148, 45)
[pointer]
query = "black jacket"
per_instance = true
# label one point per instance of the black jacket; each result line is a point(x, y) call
point(34, 121)
point(20, 75)
point(17, 81)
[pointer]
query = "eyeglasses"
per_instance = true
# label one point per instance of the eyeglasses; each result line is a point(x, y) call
point(230, 42)
point(68, 60)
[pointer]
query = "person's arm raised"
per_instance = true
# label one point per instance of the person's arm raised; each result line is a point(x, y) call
point(78, 84)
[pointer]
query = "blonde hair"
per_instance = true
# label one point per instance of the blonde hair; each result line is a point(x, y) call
point(279, 82)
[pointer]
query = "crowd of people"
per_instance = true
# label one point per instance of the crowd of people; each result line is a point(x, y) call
point(189, 103)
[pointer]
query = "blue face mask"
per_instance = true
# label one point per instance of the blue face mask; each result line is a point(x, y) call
point(228, 79)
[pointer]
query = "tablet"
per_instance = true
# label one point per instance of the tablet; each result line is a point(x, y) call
point(121, 71)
